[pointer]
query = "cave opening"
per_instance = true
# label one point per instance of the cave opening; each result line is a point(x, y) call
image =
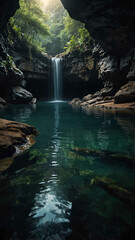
point(77, 180)
point(41, 30)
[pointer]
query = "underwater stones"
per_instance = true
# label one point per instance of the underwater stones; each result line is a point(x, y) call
point(126, 93)
point(115, 190)
point(13, 134)
point(105, 155)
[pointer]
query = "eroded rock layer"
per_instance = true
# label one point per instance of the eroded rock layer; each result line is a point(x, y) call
point(13, 134)
point(110, 22)
point(112, 26)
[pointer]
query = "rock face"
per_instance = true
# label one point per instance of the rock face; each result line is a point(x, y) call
point(13, 134)
point(20, 95)
point(32, 68)
point(126, 93)
point(2, 103)
point(7, 9)
point(11, 77)
point(110, 22)
point(35, 67)
point(90, 71)
point(80, 74)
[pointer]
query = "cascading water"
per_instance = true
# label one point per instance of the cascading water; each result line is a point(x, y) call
point(57, 78)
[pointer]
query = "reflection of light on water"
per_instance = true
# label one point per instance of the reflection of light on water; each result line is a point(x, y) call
point(49, 206)
point(53, 210)
point(55, 138)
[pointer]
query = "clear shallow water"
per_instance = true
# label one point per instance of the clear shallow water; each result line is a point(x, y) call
point(47, 192)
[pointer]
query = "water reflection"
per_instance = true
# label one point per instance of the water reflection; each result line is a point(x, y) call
point(47, 194)
point(20, 113)
point(50, 207)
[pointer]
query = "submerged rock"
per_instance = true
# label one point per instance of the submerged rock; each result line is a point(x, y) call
point(13, 134)
point(104, 154)
point(115, 190)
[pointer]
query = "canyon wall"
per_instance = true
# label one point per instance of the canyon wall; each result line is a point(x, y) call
point(110, 63)
point(35, 67)
point(24, 72)
point(111, 24)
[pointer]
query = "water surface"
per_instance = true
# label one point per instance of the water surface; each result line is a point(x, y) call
point(47, 192)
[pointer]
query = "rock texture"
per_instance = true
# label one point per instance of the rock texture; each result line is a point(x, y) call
point(108, 102)
point(93, 70)
point(13, 134)
point(2, 103)
point(11, 77)
point(20, 95)
point(126, 93)
point(80, 74)
point(32, 68)
point(111, 24)
point(7, 9)
point(35, 67)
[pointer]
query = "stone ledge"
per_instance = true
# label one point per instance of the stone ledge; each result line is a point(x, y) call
point(13, 135)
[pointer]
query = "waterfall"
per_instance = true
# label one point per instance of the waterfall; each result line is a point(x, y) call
point(57, 77)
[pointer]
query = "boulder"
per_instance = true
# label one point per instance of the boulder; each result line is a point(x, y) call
point(126, 93)
point(20, 95)
point(15, 76)
point(2, 102)
point(86, 98)
point(33, 101)
point(13, 134)
point(75, 101)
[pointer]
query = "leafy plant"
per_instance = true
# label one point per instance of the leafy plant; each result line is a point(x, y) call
point(79, 41)
point(29, 23)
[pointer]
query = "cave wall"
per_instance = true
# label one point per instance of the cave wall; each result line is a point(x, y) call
point(7, 10)
point(21, 68)
point(35, 67)
point(111, 24)
point(80, 74)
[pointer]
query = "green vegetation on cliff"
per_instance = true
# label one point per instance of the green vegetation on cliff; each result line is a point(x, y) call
point(48, 27)
point(29, 22)
point(66, 33)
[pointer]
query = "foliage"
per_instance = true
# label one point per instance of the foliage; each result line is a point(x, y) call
point(62, 27)
point(53, 31)
point(29, 23)
point(8, 63)
point(79, 41)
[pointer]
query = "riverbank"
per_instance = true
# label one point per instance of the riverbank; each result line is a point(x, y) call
point(123, 99)
point(15, 137)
